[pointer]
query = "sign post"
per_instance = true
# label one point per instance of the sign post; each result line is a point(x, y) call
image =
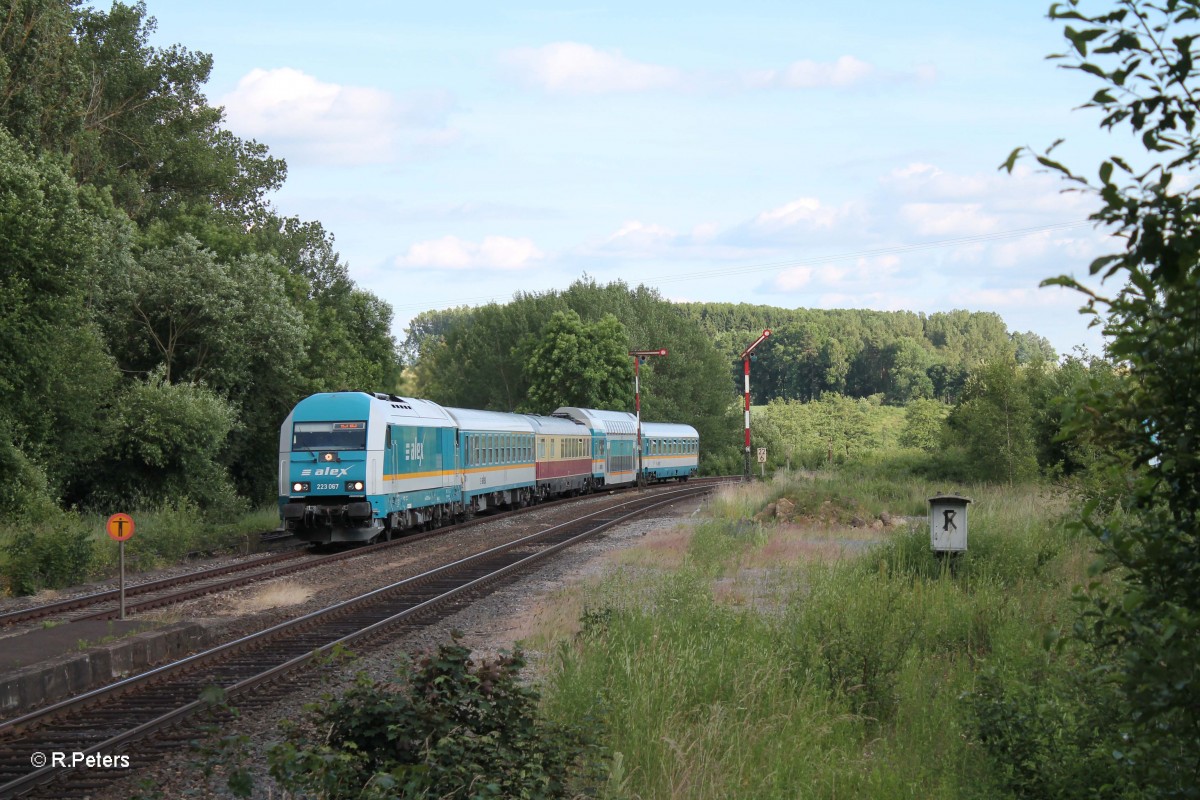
point(638, 357)
point(120, 528)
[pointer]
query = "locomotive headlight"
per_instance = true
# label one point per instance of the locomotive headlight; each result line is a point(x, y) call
point(354, 486)
point(300, 486)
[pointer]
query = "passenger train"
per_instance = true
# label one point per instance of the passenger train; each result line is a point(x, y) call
point(356, 467)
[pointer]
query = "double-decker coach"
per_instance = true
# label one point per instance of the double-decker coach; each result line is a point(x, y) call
point(614, 443)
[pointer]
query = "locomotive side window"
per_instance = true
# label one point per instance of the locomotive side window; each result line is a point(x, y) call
point(329, 436)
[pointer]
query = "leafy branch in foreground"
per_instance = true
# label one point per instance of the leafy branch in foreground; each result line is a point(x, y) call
point(1150, 627)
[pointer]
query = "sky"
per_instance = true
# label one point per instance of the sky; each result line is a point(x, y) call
point(793, 154)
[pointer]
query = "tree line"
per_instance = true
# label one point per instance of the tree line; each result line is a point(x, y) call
point(158, 317)
point(900, 355)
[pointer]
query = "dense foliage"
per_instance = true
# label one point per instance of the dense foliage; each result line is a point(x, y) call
point(900, 355)
point(1143, 621)
point(157, 317)
point(454, 728)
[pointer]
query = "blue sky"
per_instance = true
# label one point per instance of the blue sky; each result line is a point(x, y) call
point(797, 154)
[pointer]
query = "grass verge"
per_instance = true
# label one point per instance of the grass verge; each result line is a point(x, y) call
point(846, 669)
point(67, 547)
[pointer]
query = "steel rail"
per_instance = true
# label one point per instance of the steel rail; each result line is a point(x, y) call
point(162, 584)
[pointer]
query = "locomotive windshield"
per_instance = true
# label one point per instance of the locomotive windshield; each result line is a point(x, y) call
point(329, 436)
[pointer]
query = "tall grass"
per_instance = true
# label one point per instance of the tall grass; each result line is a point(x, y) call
point(856, 685)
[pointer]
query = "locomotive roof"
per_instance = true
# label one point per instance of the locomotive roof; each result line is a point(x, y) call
point(331, 406)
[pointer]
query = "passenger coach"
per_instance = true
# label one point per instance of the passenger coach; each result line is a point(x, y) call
point(496, 458)
point(669, 451)
point(564, 456)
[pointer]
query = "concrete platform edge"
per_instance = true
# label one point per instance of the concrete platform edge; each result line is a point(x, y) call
point(75, 673)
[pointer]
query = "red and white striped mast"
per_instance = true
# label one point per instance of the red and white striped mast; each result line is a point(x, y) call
point(746, 370)
point(638, 357)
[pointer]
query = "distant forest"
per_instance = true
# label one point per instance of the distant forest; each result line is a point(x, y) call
point(898, 355)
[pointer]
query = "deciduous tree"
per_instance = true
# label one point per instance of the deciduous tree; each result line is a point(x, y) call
point(572, 363)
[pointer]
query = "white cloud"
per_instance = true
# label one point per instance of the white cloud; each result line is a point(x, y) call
point(806, 212)
point(789, 280)
point(574, 68)
point(948, 220)
point(864, 275)
point(313, 120)
point(577, 68)
point(806, 74)
point(450, 252)
point(640, 235)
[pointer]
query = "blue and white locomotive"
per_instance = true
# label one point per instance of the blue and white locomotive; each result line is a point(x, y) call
point(355, 467)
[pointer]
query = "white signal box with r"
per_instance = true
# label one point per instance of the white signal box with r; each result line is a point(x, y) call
point(948, 523)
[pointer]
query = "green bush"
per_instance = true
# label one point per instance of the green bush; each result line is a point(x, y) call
point(48, 555)
point(169, 438)
point(25, 492)
point(1052, 730)
point(457, 729)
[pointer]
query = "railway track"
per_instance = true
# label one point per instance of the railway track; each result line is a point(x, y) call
point(150, 709)
point(177, 589)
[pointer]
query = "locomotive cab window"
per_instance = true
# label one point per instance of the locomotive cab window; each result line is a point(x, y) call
point(329, 436)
